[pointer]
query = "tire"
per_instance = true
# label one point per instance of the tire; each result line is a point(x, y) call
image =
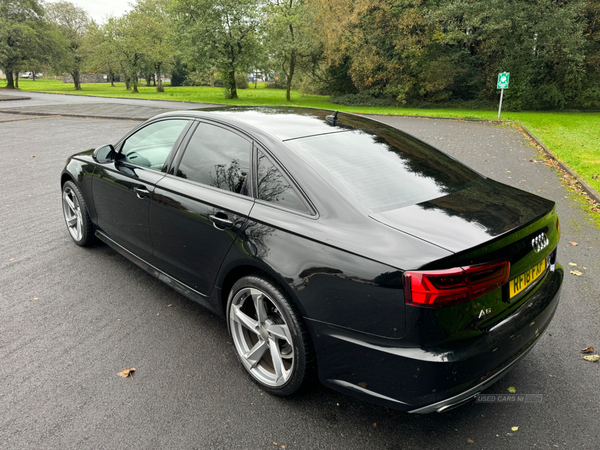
point(270, 339)
point(78, 220)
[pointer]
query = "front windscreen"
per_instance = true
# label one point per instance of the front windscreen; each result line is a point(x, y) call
point(385, 168)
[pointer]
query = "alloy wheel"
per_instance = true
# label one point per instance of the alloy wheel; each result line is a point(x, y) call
point(262, 337)
point(72, 212)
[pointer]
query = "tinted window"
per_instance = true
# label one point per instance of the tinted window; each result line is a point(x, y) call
point(217, 157)
point(386, 168)
point(273, 186)
point(150, 146)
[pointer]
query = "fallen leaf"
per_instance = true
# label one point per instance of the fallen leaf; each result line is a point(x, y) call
point(375, 425)
point(11, 259)
point(572, 264)
point(514, 428)
point(362, 384)
point(512, 390)
point(576, 272)
point(168, 306)
point(592, 358)
point(470, 441)
point(127, 373)
point(573, 243)
point(36, 298)
point(33, 156)
point(588, 350)
point(553, 376)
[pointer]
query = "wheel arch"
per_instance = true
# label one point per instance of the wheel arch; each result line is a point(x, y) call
point(79, 172)
point(66, 176)
point(230, 275)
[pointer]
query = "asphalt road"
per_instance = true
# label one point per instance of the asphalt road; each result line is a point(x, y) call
point(72, 318)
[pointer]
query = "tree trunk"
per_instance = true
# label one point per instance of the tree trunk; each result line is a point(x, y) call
point(111, 75)
point(17, 80)
point(232, 86)
point(127, 82)
point(134, 85)
point(154, 79)
point(159, 88)
point(290, 75)
point(76, 80)
point(10, 81)
point(148, 80)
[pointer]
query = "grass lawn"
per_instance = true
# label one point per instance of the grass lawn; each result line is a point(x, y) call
point(574, 137)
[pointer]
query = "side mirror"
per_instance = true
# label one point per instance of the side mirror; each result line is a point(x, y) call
point(104, 154)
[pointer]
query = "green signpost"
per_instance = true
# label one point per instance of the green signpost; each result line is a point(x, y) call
point(503, 79)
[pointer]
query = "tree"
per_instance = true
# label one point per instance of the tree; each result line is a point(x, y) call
point(220, 33)
point(21, 36)
point(119, 45)
point(152, 19)
point(382, 42)
point(288, 36)
point(540, 42)
point(100, 56)
point(591, 95)
point(72, 23)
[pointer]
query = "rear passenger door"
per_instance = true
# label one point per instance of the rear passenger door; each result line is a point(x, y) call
point(199, 208)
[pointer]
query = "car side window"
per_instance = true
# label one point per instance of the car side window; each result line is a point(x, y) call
point(217, 157)
point(150, 146)
point(273, 187)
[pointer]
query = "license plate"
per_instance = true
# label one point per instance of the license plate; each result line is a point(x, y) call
point(521, 282)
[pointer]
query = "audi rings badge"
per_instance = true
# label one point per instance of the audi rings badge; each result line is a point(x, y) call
point(539, 242)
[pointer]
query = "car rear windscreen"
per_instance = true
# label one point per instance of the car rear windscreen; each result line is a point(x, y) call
point(384, 167)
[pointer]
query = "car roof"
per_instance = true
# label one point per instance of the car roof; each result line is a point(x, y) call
point(285, 123)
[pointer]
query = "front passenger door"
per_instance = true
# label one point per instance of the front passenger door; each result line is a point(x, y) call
point(122, 189)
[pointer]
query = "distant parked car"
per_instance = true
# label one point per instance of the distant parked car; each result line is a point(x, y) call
point(30, 75)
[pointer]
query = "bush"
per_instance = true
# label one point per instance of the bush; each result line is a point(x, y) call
point(339, 81)
point(179, 74)
point(195, 79)
point(310, 86)
point(241, 81)
point(275, 85)
point(364, 99)
point(203, 79)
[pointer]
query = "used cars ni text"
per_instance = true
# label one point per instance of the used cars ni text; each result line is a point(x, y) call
point(331, 244)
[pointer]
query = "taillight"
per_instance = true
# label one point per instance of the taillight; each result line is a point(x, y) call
point(448, 287)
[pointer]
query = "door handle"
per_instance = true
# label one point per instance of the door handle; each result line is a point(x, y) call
point(221, 221)
point(141, 191)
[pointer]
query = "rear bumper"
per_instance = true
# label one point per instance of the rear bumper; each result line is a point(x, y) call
point(423, 380)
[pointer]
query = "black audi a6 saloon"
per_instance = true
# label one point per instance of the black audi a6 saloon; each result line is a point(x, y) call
point(332, 244)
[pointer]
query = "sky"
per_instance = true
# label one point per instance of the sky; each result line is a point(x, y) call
point(99, 10)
